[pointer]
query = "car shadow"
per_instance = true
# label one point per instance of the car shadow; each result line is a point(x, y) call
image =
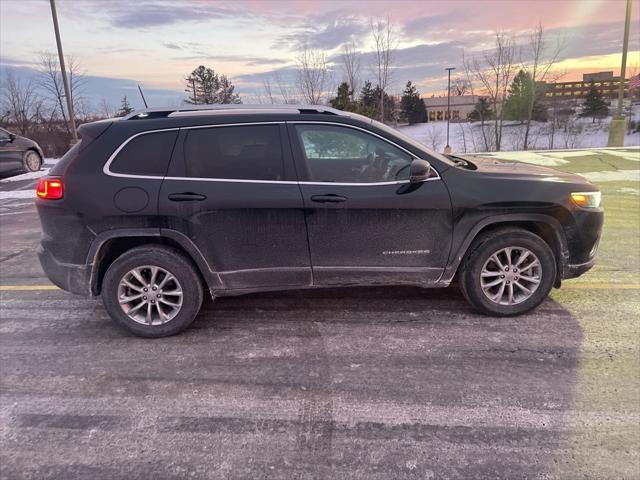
point(402, 382)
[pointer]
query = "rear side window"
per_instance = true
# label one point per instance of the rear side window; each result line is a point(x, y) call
point(251, 152)
point(147, 154)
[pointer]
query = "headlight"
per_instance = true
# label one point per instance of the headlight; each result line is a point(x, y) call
point(586, 199)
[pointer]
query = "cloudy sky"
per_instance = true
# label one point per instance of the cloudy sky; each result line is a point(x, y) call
point(156, 42)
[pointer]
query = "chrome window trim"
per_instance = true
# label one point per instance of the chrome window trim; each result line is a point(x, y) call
point(107, 166)
point(319, 122)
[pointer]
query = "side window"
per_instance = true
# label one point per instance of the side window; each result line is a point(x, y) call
point(251, 152)
point(147, 154)
point(346, 155)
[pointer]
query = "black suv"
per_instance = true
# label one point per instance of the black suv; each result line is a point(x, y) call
point(150, 209)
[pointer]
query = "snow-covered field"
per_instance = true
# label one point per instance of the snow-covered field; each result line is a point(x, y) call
point(468, 137)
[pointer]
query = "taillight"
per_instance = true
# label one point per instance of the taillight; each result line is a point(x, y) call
point(50, 188)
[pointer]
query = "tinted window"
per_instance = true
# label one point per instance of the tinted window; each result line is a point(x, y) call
point(251, 152)
point(147, 154)
point(342, 154)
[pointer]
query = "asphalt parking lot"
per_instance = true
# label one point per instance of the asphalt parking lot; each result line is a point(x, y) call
point(374, 383)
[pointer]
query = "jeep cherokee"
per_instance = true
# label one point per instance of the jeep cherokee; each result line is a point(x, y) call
point(150, 209)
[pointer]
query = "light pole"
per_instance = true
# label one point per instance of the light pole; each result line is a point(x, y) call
point(447, 149)
point(63, 71)
point(617, 127)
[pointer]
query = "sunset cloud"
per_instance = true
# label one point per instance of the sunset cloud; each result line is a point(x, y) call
point(157, 42)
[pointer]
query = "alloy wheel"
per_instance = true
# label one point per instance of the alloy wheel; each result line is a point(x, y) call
point(511, 275)
point(150, 295)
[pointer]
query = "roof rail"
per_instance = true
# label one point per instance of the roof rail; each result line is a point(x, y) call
point(186, 110)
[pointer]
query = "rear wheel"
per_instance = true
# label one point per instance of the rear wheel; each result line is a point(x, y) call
point(508, 272)
point(32, 161)
point(152, 291)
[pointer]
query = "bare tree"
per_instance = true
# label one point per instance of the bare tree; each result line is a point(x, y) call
point(433, 137)
point(51, 82)
point(494, 72)
point(105, 109)
point(268, 90)
point(286, 92)
point(542, 59)
point(351, 64)
point(21, 104)
point(460, 86)
point(313, 75)
point(385, 43)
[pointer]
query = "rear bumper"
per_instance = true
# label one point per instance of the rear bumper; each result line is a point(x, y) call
point(68, 276)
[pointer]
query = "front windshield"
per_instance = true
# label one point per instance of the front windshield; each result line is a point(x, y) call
point(406, 138)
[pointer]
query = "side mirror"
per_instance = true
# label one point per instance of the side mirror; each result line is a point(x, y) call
point(419, 170)
point(12, 137)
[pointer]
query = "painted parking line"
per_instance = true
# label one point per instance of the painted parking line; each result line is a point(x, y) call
point(601, 286)
point(26, 288)
point(571, 286)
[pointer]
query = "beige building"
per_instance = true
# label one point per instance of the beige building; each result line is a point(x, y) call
point(461, 107)
point(605, 82)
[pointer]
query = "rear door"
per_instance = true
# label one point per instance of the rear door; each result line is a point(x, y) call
point(366, 222)
point(232, 190)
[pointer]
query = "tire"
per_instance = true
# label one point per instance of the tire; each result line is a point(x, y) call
point(166, 320)
point(32, 161)
point(515, 280)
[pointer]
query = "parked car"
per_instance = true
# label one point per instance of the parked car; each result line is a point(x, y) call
point(150, 210)
point(18, 153)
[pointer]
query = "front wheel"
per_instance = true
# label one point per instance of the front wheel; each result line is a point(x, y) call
point(152, 291)
point(508, 272)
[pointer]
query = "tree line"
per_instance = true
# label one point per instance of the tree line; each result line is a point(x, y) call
point(506, 77)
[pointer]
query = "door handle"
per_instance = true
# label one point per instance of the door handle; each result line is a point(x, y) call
point(186, 197)
point(329, 198)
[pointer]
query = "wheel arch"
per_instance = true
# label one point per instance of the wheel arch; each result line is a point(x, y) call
point(108, 246)
point(546, 227)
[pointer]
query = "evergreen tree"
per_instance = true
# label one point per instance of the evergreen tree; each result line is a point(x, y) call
point(482, 111)
point(205, 86)
point(125, 108)
point(412, 106)
point(594, 105)
point(520, 97)
point(367, 102)
point(343, 101)
point(517, 105)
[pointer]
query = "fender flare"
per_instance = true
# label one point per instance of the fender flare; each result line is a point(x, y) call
point(556, 228)
point(93, 256)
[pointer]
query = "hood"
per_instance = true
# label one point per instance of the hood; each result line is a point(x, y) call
point(521, 170)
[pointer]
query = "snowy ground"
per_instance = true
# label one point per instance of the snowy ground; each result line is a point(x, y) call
point(468, 138)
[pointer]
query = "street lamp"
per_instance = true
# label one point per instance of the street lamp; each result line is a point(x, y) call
point(447, 149)
point(616, 128)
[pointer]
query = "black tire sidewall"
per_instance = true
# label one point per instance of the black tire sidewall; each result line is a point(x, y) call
point(168, 259)
point(471, 274)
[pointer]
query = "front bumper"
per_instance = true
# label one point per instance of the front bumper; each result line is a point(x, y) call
point(575, 270)
point(68, 276)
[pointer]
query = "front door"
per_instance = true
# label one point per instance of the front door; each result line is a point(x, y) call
point(366, 223)
point(10, 154)
point(232, 190)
